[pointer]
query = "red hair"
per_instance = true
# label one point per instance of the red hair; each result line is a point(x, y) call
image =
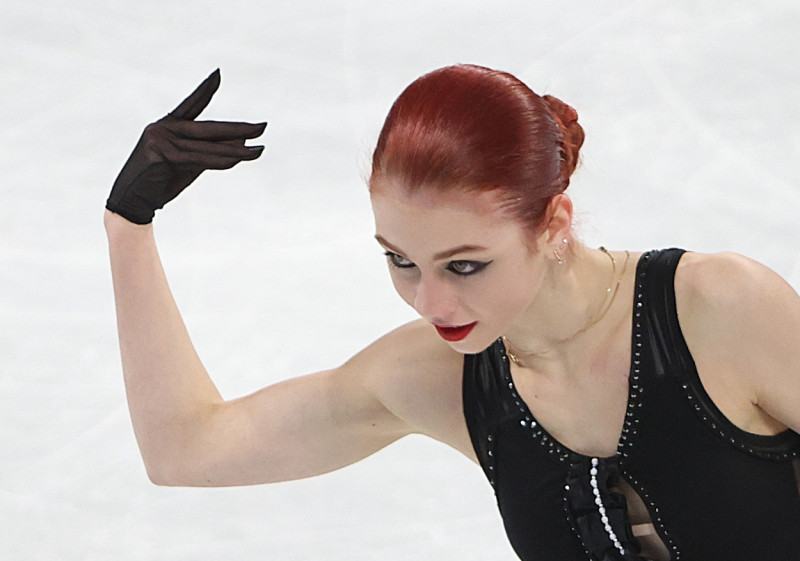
point(473, 128)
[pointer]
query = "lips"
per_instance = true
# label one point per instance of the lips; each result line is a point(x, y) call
point(455, 333)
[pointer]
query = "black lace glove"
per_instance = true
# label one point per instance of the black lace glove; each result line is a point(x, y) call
point(174, 150)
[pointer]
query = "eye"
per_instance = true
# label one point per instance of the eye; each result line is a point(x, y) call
point(397, 260)
point(466, 268)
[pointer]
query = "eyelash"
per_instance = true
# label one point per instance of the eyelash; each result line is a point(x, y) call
point(477, 266)
point(393, 257)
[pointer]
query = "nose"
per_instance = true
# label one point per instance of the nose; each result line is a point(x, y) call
point(435, 300)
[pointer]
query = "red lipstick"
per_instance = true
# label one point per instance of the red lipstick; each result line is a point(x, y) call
point(455, 333)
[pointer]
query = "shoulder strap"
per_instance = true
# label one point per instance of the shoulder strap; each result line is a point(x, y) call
point(672, 358)
point(655, 280)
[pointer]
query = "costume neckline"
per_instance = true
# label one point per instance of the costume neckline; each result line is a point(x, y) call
point(559, 450)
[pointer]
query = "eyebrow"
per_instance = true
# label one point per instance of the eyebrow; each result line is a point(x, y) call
point(441, 255)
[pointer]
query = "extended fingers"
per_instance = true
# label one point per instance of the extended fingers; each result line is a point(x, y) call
point(228, 149)
point(215, 130)
point(209, 161)
point(193, 105)
point(209, 155)
point(182, 124)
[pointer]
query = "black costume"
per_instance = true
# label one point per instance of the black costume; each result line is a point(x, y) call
point(714, 492)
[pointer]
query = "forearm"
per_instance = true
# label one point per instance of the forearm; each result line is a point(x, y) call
point(170, 395)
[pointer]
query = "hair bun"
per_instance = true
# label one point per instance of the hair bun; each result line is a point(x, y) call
point(571, 132)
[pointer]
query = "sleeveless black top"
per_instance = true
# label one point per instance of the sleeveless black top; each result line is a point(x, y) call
point(713, 491)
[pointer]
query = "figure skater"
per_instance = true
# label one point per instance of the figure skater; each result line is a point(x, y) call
point(622, 405)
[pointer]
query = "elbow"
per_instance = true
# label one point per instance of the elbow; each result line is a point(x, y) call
point(171, 461)
point(164, 472)
point(180, 458)
point(162, 477)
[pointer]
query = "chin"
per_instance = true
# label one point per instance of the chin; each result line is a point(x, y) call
point(472, 345)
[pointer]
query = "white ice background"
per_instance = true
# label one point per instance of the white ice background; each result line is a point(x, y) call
point(691, 111)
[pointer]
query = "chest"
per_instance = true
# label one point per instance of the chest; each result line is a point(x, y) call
point(583, 409)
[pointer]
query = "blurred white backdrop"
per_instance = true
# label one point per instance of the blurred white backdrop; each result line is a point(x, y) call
point(692, 120)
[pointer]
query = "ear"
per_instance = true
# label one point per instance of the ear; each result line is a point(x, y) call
point(555, 237)
point(558, 222)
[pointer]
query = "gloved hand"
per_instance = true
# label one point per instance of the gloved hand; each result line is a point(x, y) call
point(174, 150)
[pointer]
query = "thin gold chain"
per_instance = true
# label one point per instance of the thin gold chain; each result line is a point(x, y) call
point(613, 289)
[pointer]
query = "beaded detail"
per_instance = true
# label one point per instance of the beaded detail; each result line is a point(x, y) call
point(597, 514)
point(490, 456)
point(601, 509)
point(528, 422)
point(735, 436)
point(630, 426)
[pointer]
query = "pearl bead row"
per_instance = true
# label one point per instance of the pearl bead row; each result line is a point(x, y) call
point(601, 507)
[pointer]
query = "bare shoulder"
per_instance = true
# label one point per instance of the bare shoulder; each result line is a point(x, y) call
point(727, 288)
point(741, 321)
point(417, 377)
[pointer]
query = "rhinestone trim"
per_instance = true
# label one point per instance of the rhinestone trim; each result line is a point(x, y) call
point(630, 426)
point(553, 447)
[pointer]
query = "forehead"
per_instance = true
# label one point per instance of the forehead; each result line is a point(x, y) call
point(427, 221)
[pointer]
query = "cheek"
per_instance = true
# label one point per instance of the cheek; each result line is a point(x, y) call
point(508, 299)
point(402, 285)
point(507, 296)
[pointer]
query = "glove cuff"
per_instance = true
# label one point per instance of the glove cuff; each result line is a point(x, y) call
point(132, 215)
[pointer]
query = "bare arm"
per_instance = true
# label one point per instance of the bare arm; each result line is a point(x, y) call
point(767, 342)
point(166, 384)
point(188, 434)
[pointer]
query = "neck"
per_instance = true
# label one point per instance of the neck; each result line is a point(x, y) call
point(574, 302)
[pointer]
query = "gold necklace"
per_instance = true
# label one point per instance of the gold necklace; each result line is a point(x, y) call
point(613, 289)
